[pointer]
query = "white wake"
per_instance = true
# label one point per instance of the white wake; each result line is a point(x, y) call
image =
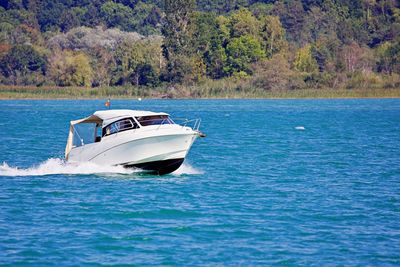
point(59, 166)
point(54, 166)
point(186, 168)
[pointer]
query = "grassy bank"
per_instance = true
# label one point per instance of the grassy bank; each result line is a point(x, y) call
point(27, 92)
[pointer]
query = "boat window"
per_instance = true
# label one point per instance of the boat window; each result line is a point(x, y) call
point(84, 133)
point(154, 120)
point(98, 133)
point(119, 126)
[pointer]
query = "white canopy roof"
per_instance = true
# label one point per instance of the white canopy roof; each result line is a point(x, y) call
point(108, 116)
point(90, 119)
point(105, 117)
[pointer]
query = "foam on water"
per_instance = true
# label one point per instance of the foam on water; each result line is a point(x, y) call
point(59, 166)
point(55, 166)
point(186, 168)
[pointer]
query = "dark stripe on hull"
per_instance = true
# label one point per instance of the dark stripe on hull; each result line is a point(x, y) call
point(159, 167)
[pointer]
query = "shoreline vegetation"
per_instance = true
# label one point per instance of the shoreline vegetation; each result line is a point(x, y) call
point(189, 92)
point(199, 49)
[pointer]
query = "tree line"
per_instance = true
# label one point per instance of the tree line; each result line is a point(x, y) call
point(267, 44)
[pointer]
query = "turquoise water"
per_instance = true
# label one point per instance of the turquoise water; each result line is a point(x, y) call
point(276, 182)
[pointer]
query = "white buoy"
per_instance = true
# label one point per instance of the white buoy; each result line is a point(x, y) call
point(300, 128)
point(139, 99)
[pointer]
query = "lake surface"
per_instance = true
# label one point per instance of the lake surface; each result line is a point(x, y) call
point(275, 182)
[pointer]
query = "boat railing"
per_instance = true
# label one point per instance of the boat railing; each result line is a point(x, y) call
point(152, 122)
point(192, 123)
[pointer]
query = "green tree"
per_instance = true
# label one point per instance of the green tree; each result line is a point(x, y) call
point(394, 51)
point(71, 18)
point(221, 6)
point(148, 76)
point(93, 16)
point(261, 9)
point(25, 34)
point(69, 68)
point(211, 34)
point(6, 30)
point(205, 31)
point(273, 35)
point(49, 14)
point(117, 15)
point(177, 36)
point(138, 63)
point(147, 18)
point(81, 71)
point(388, 57)
point(176, 28)
point(325, 51)
point(20, 61)
point(216, 61)
point(103, 63)
point(241, 52)
point(243, 22)
point(304, 61)
point(275, 74)
point(292, 15)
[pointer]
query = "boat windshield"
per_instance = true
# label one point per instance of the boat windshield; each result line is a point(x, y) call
point(119, 126)
point(154, 120)
point(86, 133)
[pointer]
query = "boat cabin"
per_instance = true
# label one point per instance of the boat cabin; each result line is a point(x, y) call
point(108, 122)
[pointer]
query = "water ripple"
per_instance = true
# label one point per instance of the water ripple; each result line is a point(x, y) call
point(288, 182)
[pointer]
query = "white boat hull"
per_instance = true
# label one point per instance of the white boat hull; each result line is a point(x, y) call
point(162, 149)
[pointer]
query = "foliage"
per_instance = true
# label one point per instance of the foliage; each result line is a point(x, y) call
point(269, 44)
point(117, 15)
point(243, 22)
point(22, 60)
point(84, 38)
point(273, 35)
point(138, 63)
point(388, 55)
point(275, 74)
point(177, 37)
point(241, 52)
point(69, 68)
point(176, 29)
point(356, 58)
point(304, 61)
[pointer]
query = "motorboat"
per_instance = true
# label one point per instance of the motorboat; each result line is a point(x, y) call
point(147, 140)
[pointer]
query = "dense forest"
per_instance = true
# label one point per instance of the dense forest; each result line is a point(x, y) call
point(267, 44)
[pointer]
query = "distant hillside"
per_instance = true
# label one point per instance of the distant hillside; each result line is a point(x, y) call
point(265, 44)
